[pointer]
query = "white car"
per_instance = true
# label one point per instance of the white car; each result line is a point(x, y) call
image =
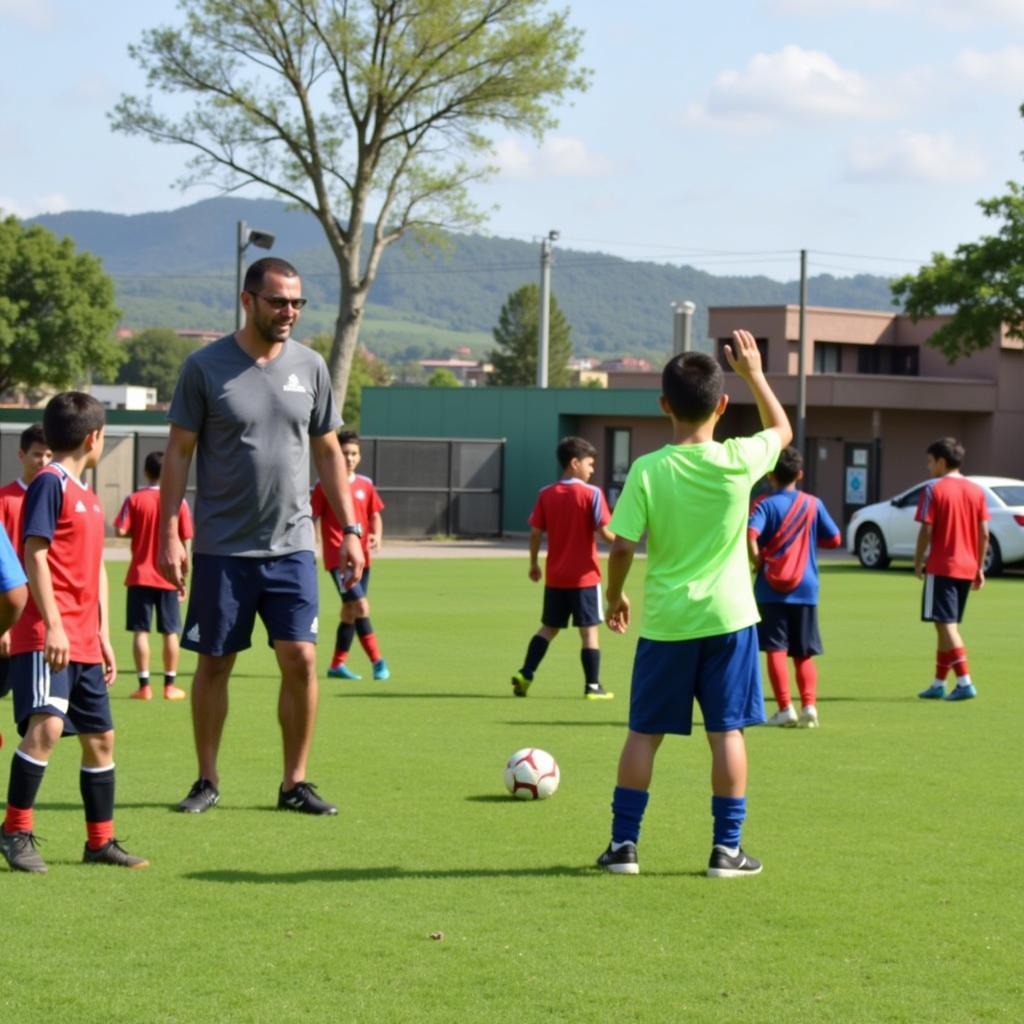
point(885, 530)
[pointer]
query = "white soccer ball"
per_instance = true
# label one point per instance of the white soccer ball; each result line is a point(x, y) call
point(531, 774)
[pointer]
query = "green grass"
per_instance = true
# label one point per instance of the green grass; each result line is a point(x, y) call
point(889, 839)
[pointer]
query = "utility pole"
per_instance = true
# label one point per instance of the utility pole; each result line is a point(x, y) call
point(545, 308)
point(682, 326)
point(801, 362)
point(246, 236)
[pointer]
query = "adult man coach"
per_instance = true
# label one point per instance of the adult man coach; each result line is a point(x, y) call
point(252, 406)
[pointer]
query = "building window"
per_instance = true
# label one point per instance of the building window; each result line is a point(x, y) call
point(618, 462)
point(762, 347)
point(897, 360)
point(828, 357)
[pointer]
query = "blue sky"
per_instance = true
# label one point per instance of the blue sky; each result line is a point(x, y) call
point(725, 135)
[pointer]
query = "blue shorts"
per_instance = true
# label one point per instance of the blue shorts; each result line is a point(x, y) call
point(77, 694)
point(723, 674)
point(582, 603)
point(354, 593)
point(11, 573)
point(229, 592)
point(141, 602)
point(792, 628)
point(944, 599)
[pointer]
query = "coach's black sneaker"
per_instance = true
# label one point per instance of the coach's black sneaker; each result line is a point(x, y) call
point(595, 691)
point(724, 864)
point(201, 797)
point(621, 861)
point(19, 850)
point(113, 853)
point(520, 684)
point(302, 797)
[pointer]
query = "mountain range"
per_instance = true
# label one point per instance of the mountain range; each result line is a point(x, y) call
point(177, 269)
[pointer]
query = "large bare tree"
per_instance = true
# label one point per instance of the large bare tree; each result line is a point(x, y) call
point(359, 111)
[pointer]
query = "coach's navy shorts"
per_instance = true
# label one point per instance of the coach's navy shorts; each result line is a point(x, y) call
point(76, 694)
point(944, 599)
point(11, 573)
point(228, 593)
point(722, 673)
point(357, 591)
point(792, 628)
point(583, 604)
point(141, 602)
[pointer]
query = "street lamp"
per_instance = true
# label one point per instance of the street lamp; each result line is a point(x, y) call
point(246, 236)
point(545, 308)
point(682, 326)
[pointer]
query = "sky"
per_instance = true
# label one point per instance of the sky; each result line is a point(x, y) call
point(726, 136)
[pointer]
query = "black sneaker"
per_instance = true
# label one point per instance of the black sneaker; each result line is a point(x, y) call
point(302, 797)
point(19, 850)
point(595, 691)
point(725, 865)
point(113, 853)
point(201, 797)
point(621, 861)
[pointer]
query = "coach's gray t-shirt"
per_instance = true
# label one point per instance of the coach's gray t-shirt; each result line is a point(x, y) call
point(252, 456)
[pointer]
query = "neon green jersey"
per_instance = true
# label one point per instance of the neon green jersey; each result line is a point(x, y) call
point(692, 500)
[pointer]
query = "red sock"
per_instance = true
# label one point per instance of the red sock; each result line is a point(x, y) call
point(17, 819)
point(806, 680)
point(957, 659)
point(942, 663)
point(778, 676)
point(339, 658)
point(369, 643)
point(99, 832)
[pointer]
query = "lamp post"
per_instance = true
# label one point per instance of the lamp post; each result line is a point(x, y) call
point(246, 236)
point(682, 326)
point(545, 308)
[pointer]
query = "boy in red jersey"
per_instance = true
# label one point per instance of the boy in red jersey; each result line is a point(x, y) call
point(369, 527)
point(954, 534)
point(139, 519)
point(61, 659)
point(571, 512)
point(33, 454)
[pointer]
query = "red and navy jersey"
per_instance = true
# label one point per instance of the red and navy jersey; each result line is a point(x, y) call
point(570, 512)
point(805, 533)
point(366, 502)
point(12, 498)
point(140, 518)
point(68, 515)
point(954, 507)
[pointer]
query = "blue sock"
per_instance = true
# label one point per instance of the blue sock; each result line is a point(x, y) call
point(628, 806)
point(728, 812)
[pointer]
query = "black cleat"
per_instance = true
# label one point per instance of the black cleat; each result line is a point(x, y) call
point(113, 853)
point(19, 850)
point(595, 691)
point(201, 797)
point(302, 797)
point(726, 865)
point(621, 861)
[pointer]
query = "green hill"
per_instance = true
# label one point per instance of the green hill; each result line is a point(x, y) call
point(176, 269)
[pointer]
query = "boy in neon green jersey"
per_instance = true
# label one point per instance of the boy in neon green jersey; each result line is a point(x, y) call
point(697, 640)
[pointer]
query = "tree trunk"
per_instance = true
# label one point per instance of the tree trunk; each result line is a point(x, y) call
point(346, 337)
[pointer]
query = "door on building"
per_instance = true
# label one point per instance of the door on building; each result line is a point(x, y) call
point(617, 444)
point(861, 473)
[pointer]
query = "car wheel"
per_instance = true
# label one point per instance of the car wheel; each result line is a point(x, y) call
point(993, 559)
point(871, 549)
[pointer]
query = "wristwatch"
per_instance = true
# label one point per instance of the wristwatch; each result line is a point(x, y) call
point(352, 530)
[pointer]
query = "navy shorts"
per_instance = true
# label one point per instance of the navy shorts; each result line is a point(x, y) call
point(354, 593)
point(139, 608)
point(944, 599)
point(792, 628)
point(77, 694)
point(5, 676)
point(722, 673)
point(228, 593)
point(583, 604)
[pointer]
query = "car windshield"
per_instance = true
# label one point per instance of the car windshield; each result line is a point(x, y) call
point(1013, 495)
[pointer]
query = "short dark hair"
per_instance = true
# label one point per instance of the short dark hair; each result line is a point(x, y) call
point(69, 418)
point(30, 436)
point(692, 386)
point(154, 464)
point(268, 265)
point(348, 437)
point(789, 466)
point(570, 448)
point(948, 448)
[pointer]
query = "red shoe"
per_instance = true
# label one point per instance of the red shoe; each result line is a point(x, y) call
point(143, 693)
point(174, 693)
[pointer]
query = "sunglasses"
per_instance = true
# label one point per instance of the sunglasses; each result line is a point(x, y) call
point(277, 302)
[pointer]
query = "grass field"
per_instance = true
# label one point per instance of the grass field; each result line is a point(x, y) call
point(890, 890)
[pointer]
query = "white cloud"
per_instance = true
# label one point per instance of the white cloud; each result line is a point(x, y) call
point(947, 13)
point(914, 157)
point(559, 157)
point(37, 14)
point(53, 203)
point(997, 69)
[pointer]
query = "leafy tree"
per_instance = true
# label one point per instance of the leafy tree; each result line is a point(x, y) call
point(153, 360)
point(517, 334)
point(442, 377)
point(367, 370)
point(57, 311)
point(337, 105)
